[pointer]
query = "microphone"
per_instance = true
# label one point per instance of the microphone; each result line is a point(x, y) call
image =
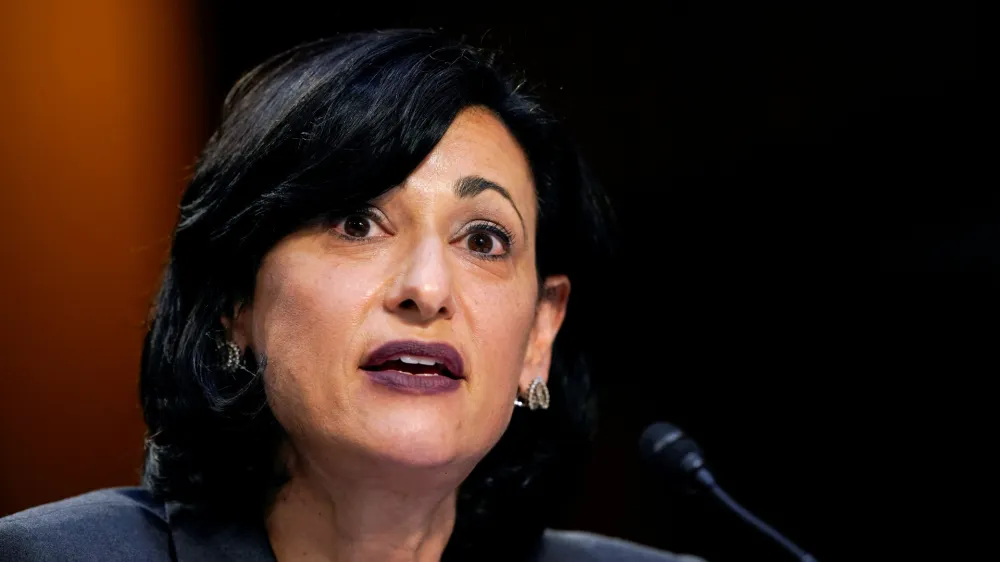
point(667, 447)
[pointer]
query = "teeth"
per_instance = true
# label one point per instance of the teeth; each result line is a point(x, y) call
point(417, 360)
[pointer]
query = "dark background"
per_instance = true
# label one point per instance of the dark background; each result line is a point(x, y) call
point(804, 202)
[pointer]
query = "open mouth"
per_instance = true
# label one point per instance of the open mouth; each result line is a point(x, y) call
point(417, 366)
point(425, 361)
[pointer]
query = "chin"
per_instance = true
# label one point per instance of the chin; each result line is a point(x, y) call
point(422, 437)
point(418, 455)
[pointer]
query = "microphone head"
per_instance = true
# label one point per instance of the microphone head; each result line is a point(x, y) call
point(667, 448)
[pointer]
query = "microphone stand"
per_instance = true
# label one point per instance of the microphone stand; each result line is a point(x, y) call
point(706, 478)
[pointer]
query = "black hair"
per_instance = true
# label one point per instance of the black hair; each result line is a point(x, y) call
point(316, 132)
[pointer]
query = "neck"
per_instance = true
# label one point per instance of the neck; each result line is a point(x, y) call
point(319, 516)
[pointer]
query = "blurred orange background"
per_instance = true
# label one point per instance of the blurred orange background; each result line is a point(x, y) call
point(99, 125)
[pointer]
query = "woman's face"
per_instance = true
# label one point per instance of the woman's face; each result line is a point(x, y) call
point(446, 259)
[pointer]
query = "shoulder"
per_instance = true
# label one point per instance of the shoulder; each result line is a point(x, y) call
point(580, 546)
point(108, 525)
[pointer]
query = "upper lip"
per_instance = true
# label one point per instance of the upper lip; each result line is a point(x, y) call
point(440, 352)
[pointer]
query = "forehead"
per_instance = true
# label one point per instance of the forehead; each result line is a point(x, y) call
point(478, 144)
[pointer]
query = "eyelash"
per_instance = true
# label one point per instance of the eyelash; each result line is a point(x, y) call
point(506, 237)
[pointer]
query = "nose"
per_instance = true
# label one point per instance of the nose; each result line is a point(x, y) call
point(422, 291)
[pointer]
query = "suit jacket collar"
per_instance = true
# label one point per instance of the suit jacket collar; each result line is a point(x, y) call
point(198, 537)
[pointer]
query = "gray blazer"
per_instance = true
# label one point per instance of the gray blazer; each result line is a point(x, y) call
point(121, 524)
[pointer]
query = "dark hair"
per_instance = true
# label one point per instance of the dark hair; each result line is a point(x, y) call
point(314, 133)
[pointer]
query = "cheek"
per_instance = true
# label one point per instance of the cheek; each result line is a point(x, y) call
point(500, 324)
point(306, 315)
point(500, 321)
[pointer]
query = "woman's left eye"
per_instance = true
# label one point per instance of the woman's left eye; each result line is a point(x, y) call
point(488, 244)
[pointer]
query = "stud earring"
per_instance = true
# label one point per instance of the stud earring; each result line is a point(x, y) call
point(537, 396)
point(231, 357)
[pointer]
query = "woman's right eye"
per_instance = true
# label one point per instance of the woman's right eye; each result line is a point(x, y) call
point(358, 226)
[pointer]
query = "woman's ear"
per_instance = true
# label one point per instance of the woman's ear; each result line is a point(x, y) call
point(548, 319)
point(238, 325)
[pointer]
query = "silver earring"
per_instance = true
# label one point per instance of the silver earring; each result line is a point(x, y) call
point(231, 357)
point(537, 396)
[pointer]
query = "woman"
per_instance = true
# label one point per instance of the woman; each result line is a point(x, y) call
point(352, 352)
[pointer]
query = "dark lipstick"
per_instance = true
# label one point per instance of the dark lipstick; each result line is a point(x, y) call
point(415, 367)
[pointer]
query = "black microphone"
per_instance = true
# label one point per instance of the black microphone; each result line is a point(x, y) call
point(667, 448)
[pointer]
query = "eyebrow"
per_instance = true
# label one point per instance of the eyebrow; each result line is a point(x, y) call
point(470, 186)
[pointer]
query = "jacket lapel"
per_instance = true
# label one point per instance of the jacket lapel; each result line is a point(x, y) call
point(198, 537)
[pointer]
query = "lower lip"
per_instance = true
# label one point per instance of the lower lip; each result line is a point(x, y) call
point(414, 384)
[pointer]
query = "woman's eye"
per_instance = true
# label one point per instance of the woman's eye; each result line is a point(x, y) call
point(486, 243)
point(357, 226)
